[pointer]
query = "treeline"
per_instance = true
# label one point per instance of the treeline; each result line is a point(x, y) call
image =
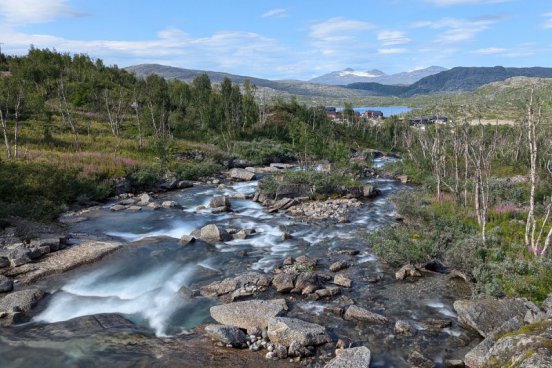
point(49, 88)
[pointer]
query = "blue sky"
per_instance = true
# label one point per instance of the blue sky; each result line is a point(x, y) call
point(287, 39)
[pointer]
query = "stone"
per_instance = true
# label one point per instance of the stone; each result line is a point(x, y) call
point(250, 314)
point(419, 361)
point(183, 184)
point(407, 271)
point(338, 266)
point(341, 280)
point(186, 240)
point(435, 323)
point(285, 331)
point(369, 191)
point(20, 301)
point(354, 312)
point(117, 207)
point(227, 335)
point(134, 208)
point(211, 234)
point(252, 281)
point(170, 204)
point(486, 313)
point(283, 282)
point(6, 284)
point(86, 252)
point(145, 198)
point(350, 358)
point(38, 252)
point(220, 202)
point(4, 262)
point(127, 202)
point(547, 305)
point(405, 328)
point(153, 206)
point(241, 174)
point(307, 280)
point(328, 291)
point(349, 252)
point(455, 274)
point(188, 293)
point(403, 179)
point(298, 350)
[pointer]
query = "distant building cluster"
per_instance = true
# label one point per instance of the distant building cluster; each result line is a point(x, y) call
point(426, 120)
point(368, 115)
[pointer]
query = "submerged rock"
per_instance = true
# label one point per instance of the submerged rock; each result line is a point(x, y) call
point(285, 331)
point(250, 314)
point(350, 358)
point(354, 312)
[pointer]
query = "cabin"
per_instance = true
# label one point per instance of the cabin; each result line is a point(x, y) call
point(372, 114)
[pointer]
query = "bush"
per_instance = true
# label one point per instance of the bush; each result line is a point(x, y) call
point(196, 170)
point(399, 245)
point(144, 178)
point(263, 152)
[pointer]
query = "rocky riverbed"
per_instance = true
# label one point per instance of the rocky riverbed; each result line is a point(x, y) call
point(206, 276)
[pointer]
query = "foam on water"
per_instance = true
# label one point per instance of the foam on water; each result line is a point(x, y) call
point(152, 295)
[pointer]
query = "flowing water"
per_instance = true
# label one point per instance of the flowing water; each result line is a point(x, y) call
point(142, 281)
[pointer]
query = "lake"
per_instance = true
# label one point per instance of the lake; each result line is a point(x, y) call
point(387, 110)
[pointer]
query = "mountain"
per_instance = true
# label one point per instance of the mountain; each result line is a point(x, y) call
point(453, 80)
point(349, 76)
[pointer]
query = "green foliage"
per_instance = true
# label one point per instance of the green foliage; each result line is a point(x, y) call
point(144, 178)
point(41, 192)
point(196, 170)
point(263, 152)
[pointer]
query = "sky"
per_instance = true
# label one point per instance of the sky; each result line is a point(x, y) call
point(288, 39)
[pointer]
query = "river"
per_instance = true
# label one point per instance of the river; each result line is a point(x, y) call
point(142, 281)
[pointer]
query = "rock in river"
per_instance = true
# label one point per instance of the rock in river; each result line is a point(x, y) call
point(350, 358)
point(250, 282)
point(285, 331)
point(361, 314)
point(241, 174)
point(250, 314)
point(18, 302)
point(5, 284)
point(211, 234)
point(227, 334)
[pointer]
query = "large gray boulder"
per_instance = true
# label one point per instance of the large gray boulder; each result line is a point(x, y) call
point(250, 315)
point(211, 234)
point(241, 174)
point(220, 202)
point(250, 282)
point(360, 314)
point(229, 335)
point(350, 358)
point(283, 282)
point(285, 331)
point(17, 304)
point(484, 314)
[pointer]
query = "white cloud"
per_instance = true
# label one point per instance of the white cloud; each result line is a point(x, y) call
point(338, 29)
point(548, 22)
point(392, 38)
point(490, 51)
point(457, 30)
point(458, 2)
point(275, 13)
point(19, 12)
point(392, 51)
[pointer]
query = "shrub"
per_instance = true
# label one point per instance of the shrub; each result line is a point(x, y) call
point(263, 152)
point(144, 178)
point(196, 170)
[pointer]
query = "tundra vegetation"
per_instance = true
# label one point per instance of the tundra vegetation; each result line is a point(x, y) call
point(72, 126)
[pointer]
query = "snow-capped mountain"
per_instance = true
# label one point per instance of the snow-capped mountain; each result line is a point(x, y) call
point(348, 76)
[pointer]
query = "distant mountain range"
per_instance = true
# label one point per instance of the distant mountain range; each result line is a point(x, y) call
point(454, 80)
point(458, 79)
point(348, 76)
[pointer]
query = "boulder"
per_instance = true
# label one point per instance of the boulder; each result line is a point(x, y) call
point(405, 328)
point(547, 306)
point(186, 240)
point(253, 282)
point(170, 204)
point(117, 207)
point(4, 262)
point(407, 271)
point(211, 234)
point(228, 335)
point(134, 208)
point(6, 284)
point(283, 282)
point(145, 198)
point(298, 350)
point(185, 184)
point(220, 202)
point(486, 313)
point(17, 257)
point(307, 280)
point(285, 331)
point(341, 280)
point(354, 312)
point(417, 360)
point(241, 174)
point(403, 179)
point(369, 191)
point(338, 266)
point(453, 363)
point(249, 315)
point(350, 358)
point(20, 302)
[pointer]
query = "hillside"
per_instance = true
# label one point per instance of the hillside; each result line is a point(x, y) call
point(460, 79)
